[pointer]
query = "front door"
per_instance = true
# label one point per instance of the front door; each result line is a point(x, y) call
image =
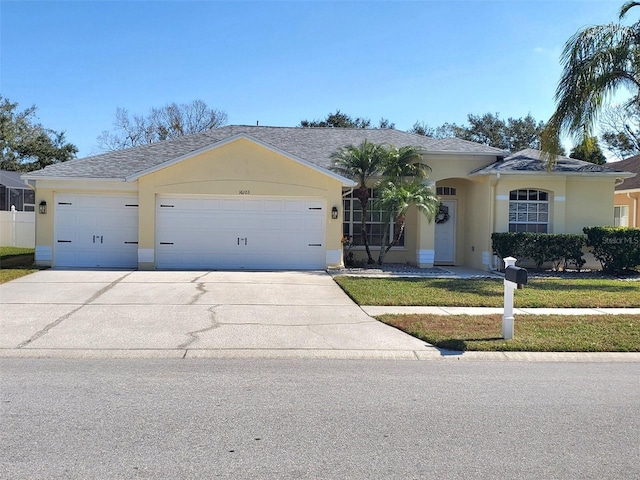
point(445, 235)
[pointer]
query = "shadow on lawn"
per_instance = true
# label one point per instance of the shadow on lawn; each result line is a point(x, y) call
point(479, 286)
point(460, 345)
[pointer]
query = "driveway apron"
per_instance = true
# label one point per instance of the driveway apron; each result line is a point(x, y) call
point(193, 314)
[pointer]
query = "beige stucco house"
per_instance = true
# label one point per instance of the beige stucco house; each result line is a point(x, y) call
point(249, 197)
point(627, 194)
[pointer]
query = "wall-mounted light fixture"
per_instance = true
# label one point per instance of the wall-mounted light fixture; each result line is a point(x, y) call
point(334, 213)
point(42, 208)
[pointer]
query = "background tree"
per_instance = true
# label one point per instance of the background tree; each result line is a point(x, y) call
point(597, 62)
point(26, 145)
point(513, 134)
point(342, 120)
point(589, 151)
point(620, 130)
point(165, 123)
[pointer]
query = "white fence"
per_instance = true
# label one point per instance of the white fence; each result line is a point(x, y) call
point(17, 229)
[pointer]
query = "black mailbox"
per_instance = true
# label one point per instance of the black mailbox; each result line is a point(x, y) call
point(516, 275)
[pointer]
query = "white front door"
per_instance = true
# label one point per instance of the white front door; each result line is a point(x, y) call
point(240, 232)
point(445, 235)
point(96, 231)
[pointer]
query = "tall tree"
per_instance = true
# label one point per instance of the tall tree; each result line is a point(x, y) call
point(489, 129)
point(589, 151)
point(342, 120)
point(395, 198)
point(26, 145)
point(597, 62)
point(164, 123)
point(362, 164)
point(620, 130)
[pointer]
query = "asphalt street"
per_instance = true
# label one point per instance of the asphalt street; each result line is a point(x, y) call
point(328, 419)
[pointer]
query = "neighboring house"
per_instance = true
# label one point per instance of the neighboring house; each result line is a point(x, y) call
point(627, 194)
point(17, 206)
point(264, 198)
point(13, 191)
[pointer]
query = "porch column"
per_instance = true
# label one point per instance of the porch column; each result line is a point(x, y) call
point(425, 241)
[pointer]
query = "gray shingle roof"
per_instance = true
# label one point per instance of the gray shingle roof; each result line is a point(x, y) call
point(11, 179)
point(631, 164)
point(528, 160)
point(314, 145)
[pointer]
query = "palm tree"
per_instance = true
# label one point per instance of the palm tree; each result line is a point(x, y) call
point(396, 198)
point(597, 61)
point(362, 164)
point(404, 162)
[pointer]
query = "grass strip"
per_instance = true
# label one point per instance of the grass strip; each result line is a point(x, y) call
point(488, 292)
point(16, 262)
point(532, 333)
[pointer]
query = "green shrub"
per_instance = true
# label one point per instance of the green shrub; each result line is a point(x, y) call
point(559, 249)
point(617, 248)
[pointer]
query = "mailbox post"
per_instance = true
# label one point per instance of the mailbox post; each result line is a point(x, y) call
point(514, 277)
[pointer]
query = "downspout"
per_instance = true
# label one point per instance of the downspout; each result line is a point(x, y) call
point(492, 215)
point(635, 208)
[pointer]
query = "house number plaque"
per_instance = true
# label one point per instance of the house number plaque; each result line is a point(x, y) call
point(244, 192)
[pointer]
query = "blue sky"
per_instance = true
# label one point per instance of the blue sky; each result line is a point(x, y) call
point(282, 62)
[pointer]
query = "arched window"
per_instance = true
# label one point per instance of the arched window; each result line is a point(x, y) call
point(529, 211)
point(445, 191)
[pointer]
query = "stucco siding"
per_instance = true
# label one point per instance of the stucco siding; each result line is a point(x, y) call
point(630, 199)
point(589, 203)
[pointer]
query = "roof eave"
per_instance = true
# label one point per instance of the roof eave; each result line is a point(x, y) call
point(85, 179)
point(544, 172)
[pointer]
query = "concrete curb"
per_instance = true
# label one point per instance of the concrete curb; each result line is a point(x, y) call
point(429, 354)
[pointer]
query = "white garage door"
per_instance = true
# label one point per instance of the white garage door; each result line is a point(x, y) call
point(96, 231)
point(236, 233)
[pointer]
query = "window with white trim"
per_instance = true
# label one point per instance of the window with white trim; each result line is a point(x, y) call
point(446, 191)
point(352, 226)
point(621, 216)
point(529, 211)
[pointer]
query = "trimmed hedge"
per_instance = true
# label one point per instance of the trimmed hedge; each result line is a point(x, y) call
point(560, 249)
point(617, 248)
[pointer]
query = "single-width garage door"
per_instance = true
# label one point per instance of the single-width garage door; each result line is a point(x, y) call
point(240, 232)
point(96, 231)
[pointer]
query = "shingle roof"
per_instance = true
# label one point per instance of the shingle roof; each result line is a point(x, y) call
point(11, 179)
point(631, 164)
point(314, 145)
point(528, 160)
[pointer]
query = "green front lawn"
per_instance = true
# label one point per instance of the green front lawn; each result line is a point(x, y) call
point(16, 262)
point(446, 292)
point(532, 333)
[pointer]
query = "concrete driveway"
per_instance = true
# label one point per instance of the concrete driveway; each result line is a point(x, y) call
point(85, 313)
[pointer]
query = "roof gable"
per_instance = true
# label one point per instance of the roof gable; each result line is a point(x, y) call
point(240, 136)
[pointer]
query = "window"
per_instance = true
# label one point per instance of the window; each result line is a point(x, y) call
point(23, 199)
point(529, 211)
point(351, 227)
point(446, 191)
point(621, 216)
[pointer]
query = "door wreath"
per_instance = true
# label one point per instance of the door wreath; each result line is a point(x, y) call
point(443, 214)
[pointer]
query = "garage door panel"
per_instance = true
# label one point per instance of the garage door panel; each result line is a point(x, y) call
point(96, 231)
point(256, 233)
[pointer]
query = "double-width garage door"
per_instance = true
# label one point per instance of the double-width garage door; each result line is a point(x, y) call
point(96, 231)
point(240, 232)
